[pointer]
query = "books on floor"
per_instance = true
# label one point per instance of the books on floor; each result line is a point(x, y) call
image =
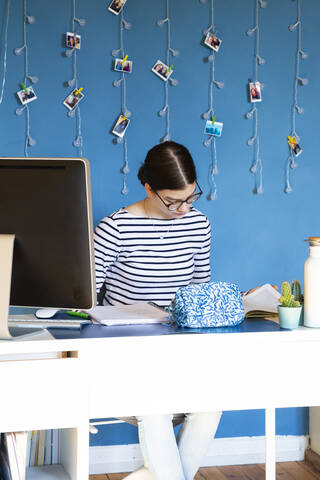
point(262, 302)
point(137, 313)
point(19, 450)
point(43, 447)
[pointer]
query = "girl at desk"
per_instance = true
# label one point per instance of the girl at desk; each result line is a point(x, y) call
point(145, 252)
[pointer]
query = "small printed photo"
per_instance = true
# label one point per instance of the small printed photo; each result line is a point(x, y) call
point(255, 92)
point(27, 95)
point(121, 126)
point(212, 41)
point(213, 128)
point(162, 70)
point(73, 99)
point(295, 147)
point(120, 67)
point(116, 6)
point(73, 40)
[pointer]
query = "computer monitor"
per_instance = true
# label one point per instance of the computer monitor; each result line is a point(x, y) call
point(46, 204)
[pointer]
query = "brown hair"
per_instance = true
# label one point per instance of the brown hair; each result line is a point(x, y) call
point(168, 165)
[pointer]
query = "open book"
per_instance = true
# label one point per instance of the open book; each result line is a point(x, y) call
point(136, 313)
point(263, 302)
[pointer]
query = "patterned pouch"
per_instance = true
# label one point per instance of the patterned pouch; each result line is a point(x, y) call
point(213, 304)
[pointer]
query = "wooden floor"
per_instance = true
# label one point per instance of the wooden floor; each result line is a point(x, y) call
point(285, 471)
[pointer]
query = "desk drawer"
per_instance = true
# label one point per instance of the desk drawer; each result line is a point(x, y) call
point(39, 394)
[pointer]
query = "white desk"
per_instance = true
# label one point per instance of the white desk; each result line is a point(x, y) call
point(159, 374)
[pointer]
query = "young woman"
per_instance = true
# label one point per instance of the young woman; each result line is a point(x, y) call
point(145, 252)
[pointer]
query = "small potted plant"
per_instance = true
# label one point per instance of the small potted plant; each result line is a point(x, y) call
point(296, 292)
point(290, 309)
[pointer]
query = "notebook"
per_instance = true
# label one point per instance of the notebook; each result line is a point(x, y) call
point(263, 301)
point(137, 313)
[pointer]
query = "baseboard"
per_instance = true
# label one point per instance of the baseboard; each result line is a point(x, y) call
point(222, 451)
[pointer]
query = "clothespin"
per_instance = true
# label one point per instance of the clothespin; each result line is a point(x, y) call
point(78, 91)
point(24, 88)
point(169, 69)
point(292, 140)
point(124, 60)
point(214, 119)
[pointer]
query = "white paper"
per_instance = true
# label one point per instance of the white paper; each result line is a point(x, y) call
point(137, 313)
point(264, 298)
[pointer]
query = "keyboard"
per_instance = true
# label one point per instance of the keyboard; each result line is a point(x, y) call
point(31, 321)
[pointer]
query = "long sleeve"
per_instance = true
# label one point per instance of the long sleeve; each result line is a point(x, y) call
point(107, 245)
point(202, 271)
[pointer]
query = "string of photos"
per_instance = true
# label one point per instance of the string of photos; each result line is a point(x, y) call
point(71, 102)
point(123, 66)
point(212, 128)
point(5, 50)
point(255, 96)
point(27, 94)
point(293, 139)
point(164, 71)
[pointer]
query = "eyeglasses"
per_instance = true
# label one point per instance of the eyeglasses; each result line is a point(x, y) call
point(176, 205)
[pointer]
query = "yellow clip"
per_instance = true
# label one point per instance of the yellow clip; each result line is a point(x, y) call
point(123, 119)
point(78, 91)
point(292, 140)
point(124, 60)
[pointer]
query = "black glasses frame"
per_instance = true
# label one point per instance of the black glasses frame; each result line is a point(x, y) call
point(172, 206)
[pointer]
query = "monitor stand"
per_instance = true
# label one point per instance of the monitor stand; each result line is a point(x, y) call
point(6, 255)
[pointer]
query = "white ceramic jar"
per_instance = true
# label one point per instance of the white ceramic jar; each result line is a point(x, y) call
point(312, 284)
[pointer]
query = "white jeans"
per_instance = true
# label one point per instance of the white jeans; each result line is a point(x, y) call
point(166, 458)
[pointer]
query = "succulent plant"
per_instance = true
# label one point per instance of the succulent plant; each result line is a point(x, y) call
point(296, 291)
point(287, 298)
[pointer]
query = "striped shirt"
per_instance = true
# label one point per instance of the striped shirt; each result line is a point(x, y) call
point(148, 259)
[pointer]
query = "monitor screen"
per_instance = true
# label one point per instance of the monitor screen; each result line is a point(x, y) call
point(46, 204)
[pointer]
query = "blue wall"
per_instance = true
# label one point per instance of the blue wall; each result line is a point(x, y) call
point(256, 239)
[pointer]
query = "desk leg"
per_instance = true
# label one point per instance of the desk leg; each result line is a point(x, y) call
point(270, 424)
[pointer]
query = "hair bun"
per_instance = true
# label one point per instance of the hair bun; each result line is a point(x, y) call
point(168, 165)
point(141, 174)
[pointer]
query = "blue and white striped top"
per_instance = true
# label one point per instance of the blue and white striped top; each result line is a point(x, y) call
point(148, 259)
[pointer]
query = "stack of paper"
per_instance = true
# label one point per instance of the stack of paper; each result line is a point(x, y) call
point(136, 313)
point(21, 449)
point(263, 302)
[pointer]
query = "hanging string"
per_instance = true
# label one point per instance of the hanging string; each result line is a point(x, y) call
point(5, 51)
point(211, 140)
point(296, 108)
point(27, 19)
point(256, 167)
point(213, 171)
point(73, 82)
point(121, 82)
point(170, 52)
